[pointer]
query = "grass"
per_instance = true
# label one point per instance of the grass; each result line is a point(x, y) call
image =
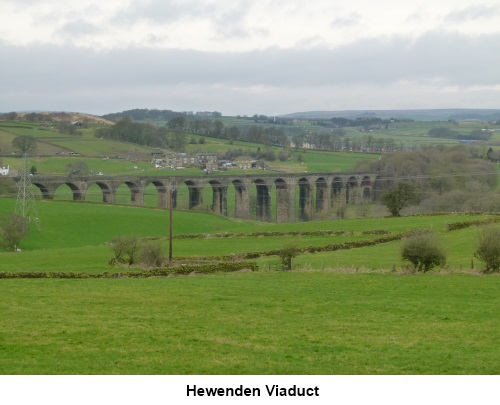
point(73, 237)
point(252, 323)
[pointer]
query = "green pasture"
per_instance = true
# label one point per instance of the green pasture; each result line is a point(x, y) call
point(74, 237)
point(341, 312)
point(252, 323)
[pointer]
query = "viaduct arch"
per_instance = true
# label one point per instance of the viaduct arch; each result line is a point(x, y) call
point(268, 197)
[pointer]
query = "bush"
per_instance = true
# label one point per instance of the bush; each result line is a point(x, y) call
point(125, 249)
point(423, 251)
point(488, 249)
point(14, 228)
point(150, 255)
point(289, 251)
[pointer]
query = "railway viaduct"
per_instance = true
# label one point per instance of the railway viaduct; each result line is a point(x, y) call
point(296, 196)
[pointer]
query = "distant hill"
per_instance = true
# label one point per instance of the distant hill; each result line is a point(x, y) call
point(144, 114)
point(416, 115)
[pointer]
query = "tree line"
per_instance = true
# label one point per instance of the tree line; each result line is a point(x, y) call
point(448, 133)
point(442, 179)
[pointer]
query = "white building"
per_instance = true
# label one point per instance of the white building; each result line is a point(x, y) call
point(4, 170)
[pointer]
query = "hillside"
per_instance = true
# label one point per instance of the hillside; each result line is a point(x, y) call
point(416, 115)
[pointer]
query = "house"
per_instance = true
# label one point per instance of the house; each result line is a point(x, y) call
point(203, 160)
point(4, 170)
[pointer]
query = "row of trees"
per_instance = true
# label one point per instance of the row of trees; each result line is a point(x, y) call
point(338, 141)
point(445, 132)
point(173, 135)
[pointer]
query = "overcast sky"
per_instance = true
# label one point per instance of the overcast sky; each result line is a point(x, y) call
point(249, 56)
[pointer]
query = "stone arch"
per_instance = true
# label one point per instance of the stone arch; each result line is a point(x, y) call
point(322, 197)
point(134, 190)
point(263, 202)
point(241, 199)
point(219, 200)
point(44, 190)
point(76, 192)
point(366, 187)
point(284, 201)
point(162, 192)
point(351, 190)
point(305, 203)
point(195, 196)
point(108, 195)
point(338, 190)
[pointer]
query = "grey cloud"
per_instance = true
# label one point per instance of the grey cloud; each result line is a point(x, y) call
point(456, 59)
point(437, 58)
point(78, 28)
point(475, 12)
point(346, 21)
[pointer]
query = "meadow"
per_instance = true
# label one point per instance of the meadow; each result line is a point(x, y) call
point(252, 323)
point(340, 312)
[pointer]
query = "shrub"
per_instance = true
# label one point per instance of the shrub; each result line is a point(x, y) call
point(150, 255)
point(488, 250)
point(289, 251)
point(423, 251)
point(13, 229)
point(125, 249)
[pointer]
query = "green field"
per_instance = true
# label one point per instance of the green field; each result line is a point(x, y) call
point(252, 323)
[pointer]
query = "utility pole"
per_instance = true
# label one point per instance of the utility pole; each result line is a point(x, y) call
point(25, 204)
point(170, 233)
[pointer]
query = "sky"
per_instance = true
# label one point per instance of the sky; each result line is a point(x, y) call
point(250, 56)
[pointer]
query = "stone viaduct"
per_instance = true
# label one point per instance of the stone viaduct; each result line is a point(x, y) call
point(296, 196)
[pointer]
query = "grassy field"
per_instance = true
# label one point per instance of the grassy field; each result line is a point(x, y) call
point(341, 312)
point(74, 237)
point(252, 323)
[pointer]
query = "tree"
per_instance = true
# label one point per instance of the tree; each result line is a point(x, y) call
point(289, 251)
point(423, 251)
point(8, 187)
point(14, 229)
point(78, 168)
point(26, 144)
point(488, 249)
point(126, 249)
point(399, 197)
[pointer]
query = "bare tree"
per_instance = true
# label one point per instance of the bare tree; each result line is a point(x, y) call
point(25, 144)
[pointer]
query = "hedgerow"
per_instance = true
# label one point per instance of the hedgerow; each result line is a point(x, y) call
point(454, 226)
point(158, 272)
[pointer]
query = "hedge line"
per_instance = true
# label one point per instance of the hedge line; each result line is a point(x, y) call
point(466, 224)
point(160, 272)
point(316, 249)
point(257, 234)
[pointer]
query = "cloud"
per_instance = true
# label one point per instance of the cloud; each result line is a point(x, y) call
point(473, 13)
point(346, 21)
point(430, 64)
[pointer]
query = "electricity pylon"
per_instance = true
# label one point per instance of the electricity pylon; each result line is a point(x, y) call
point(25, 204)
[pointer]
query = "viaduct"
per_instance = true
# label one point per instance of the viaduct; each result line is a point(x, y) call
point(293, 196)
